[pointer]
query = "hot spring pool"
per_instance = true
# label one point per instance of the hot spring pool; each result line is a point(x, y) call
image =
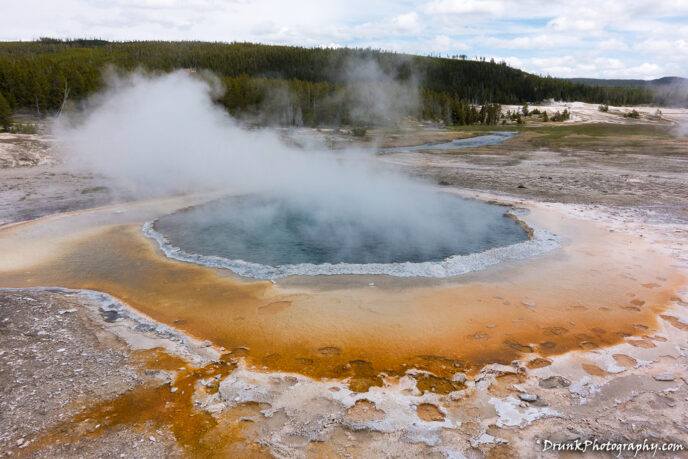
point(268, 237)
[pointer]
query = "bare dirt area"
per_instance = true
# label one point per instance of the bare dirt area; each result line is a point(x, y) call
point(17, 150)
point(58, 356)
point(83, 375)
point(34, 182)
point(631, 165)
point(27, 193)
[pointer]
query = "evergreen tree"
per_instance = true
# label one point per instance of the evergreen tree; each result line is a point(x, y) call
point(5, 113)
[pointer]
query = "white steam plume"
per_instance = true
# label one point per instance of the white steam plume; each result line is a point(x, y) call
point(164, 135)
point(378, 97)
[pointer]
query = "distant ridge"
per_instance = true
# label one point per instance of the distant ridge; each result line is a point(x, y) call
point(641, 84)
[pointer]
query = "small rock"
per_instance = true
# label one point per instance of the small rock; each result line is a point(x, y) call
point(665, 377)
point(553, 382)
point(491, 326)
point(496, 370)
point(457, 395)
point(20, 441)
point(151, 438)
point(487, 439)
point(527, 303)
point(564, 435)
point(459, 378)
point(527, 397)
point(206, 343)
point(173, 390)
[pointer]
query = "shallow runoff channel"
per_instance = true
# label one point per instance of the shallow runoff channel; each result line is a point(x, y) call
point(493, 138)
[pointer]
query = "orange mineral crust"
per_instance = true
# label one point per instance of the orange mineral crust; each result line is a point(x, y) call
point(594, 291)
point(197, 432)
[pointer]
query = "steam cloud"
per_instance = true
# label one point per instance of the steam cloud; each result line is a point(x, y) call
point(674, 94)
point(379, 97)
point(164, 135)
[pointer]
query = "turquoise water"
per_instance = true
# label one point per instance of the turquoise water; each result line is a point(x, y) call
point(274, 231)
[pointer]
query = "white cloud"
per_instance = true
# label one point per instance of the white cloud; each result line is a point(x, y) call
point(511, 61)
point(158, 4)
point(407, 23)
point(647, 69)
point(533, 42)
point(608, 63)
point(403, 24)
point(612, 44)
point(576, 24)
point(490, 7)
point(611, 38)
point(445, 44)
point(677, 48)
point(570, 66)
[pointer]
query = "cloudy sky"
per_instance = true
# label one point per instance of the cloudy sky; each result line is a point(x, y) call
point(582, 38)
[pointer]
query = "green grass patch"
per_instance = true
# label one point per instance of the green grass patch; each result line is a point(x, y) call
point(95, 189)
point(597, 136)
point(480, 129)
point(602, 130)
point(601, 137)
point(23, 128)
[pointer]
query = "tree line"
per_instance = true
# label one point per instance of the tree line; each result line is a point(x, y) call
point(291, 85)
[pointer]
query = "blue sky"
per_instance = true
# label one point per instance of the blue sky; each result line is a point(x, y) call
point(585, 38)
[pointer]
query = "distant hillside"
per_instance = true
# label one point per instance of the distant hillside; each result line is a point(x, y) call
point(666, 91)
point(293, 85)
point(664, 81)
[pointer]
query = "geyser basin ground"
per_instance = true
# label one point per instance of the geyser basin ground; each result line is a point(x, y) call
point(269, 237)
point(596, 290)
